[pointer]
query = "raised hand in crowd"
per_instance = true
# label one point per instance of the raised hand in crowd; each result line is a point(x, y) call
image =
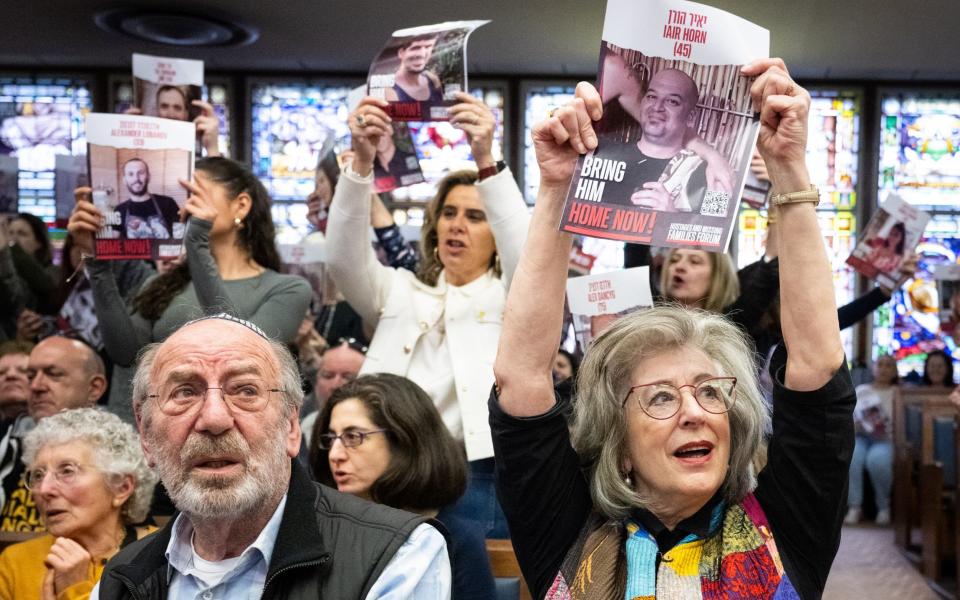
point(368, 122)
point(475, 118)
point(208, 127)
point(200, 203)
point(85, 220)
point(29, 325)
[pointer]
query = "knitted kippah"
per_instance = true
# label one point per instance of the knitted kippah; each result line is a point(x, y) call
point(232, 319)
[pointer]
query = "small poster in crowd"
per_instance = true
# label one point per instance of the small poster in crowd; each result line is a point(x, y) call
point(948, 289)
point(134, 166)
point(420, 69)
point(890, 236)
point(9, 184)
point(166, 87)
point(69, 173)
point(396, 164)
point(755, 191)
point(598, 300)
point(678, 127)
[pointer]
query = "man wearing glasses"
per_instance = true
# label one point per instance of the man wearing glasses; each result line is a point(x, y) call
point(63, 373)
point(338, 365)
point(217, 405)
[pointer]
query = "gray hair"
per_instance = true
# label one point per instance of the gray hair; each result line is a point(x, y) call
point(290, 381)
point(605, 376)
point(115, 446)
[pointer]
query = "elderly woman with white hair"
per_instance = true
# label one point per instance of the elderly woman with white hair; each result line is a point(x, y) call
point(654, 494)
point(92, 486)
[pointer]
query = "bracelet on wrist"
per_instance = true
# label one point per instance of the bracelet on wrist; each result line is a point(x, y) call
point(809, 195)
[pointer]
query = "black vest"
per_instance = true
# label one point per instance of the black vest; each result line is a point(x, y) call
point(330, 545)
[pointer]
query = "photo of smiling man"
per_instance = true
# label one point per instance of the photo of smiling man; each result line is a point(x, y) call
point(659, 159)
point(420, 69)
point(414, 82)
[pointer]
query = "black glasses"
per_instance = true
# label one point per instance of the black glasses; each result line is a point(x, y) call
point(662, 400)
point(350, 439)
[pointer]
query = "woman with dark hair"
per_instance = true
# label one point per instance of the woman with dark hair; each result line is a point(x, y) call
point(938, 369)
point(565, 366)
point(231, 266)
point(28, 277)
point(440, 327)
point(887, 253)
point(380, 437)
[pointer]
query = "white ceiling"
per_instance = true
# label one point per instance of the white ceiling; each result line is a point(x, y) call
point(819, 39)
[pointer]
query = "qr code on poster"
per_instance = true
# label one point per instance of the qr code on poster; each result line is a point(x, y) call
point(715, 204)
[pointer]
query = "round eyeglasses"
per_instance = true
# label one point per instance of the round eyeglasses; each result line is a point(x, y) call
point(350, 439)
point(662, 400)
point(65, 474)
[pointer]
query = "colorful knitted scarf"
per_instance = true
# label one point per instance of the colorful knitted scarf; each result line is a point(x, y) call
point(615, 560)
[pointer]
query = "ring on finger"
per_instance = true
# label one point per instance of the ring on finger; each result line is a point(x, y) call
point(360, 121)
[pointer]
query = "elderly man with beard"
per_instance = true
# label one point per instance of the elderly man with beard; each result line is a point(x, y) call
point(217, 405)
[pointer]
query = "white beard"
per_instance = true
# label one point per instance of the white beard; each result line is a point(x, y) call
point(215, 497)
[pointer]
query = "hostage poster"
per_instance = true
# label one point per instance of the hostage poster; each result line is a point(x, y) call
point(134, 165)
point(678, 127)
point(891, 235)
point(396, 163)
point(166, 87)
point(421, 68)
point(598, 300)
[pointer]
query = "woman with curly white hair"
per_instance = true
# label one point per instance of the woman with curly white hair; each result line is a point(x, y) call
point(92, 486)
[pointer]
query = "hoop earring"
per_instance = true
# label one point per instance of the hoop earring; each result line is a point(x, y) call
point(436, 254)
point(496, 263)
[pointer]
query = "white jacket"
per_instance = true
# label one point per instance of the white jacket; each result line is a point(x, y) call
point(403, 309)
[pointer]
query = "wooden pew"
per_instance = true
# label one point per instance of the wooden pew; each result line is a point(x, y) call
point(938, 494)
point(503, 563)
point(914, 409)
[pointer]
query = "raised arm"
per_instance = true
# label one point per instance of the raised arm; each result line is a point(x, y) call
point(208, 128)
point(808, 309)
point(122, 338)
point(279, 314)
point(506, 211)
point(535, 301)
point(364, 282)
point(13, 291)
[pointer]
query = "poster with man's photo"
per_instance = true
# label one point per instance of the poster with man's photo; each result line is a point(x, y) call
point(9, 184)
point(678, 127)
point(598, 300)
point(166, 87)
point(420, 69)
point(891, 236)
point(396, 164)
point(134, 164)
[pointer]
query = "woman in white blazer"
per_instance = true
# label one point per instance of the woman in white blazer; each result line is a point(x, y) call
point(440, 327)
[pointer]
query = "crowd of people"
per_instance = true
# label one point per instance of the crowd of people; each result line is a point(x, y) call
point(204, 426)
